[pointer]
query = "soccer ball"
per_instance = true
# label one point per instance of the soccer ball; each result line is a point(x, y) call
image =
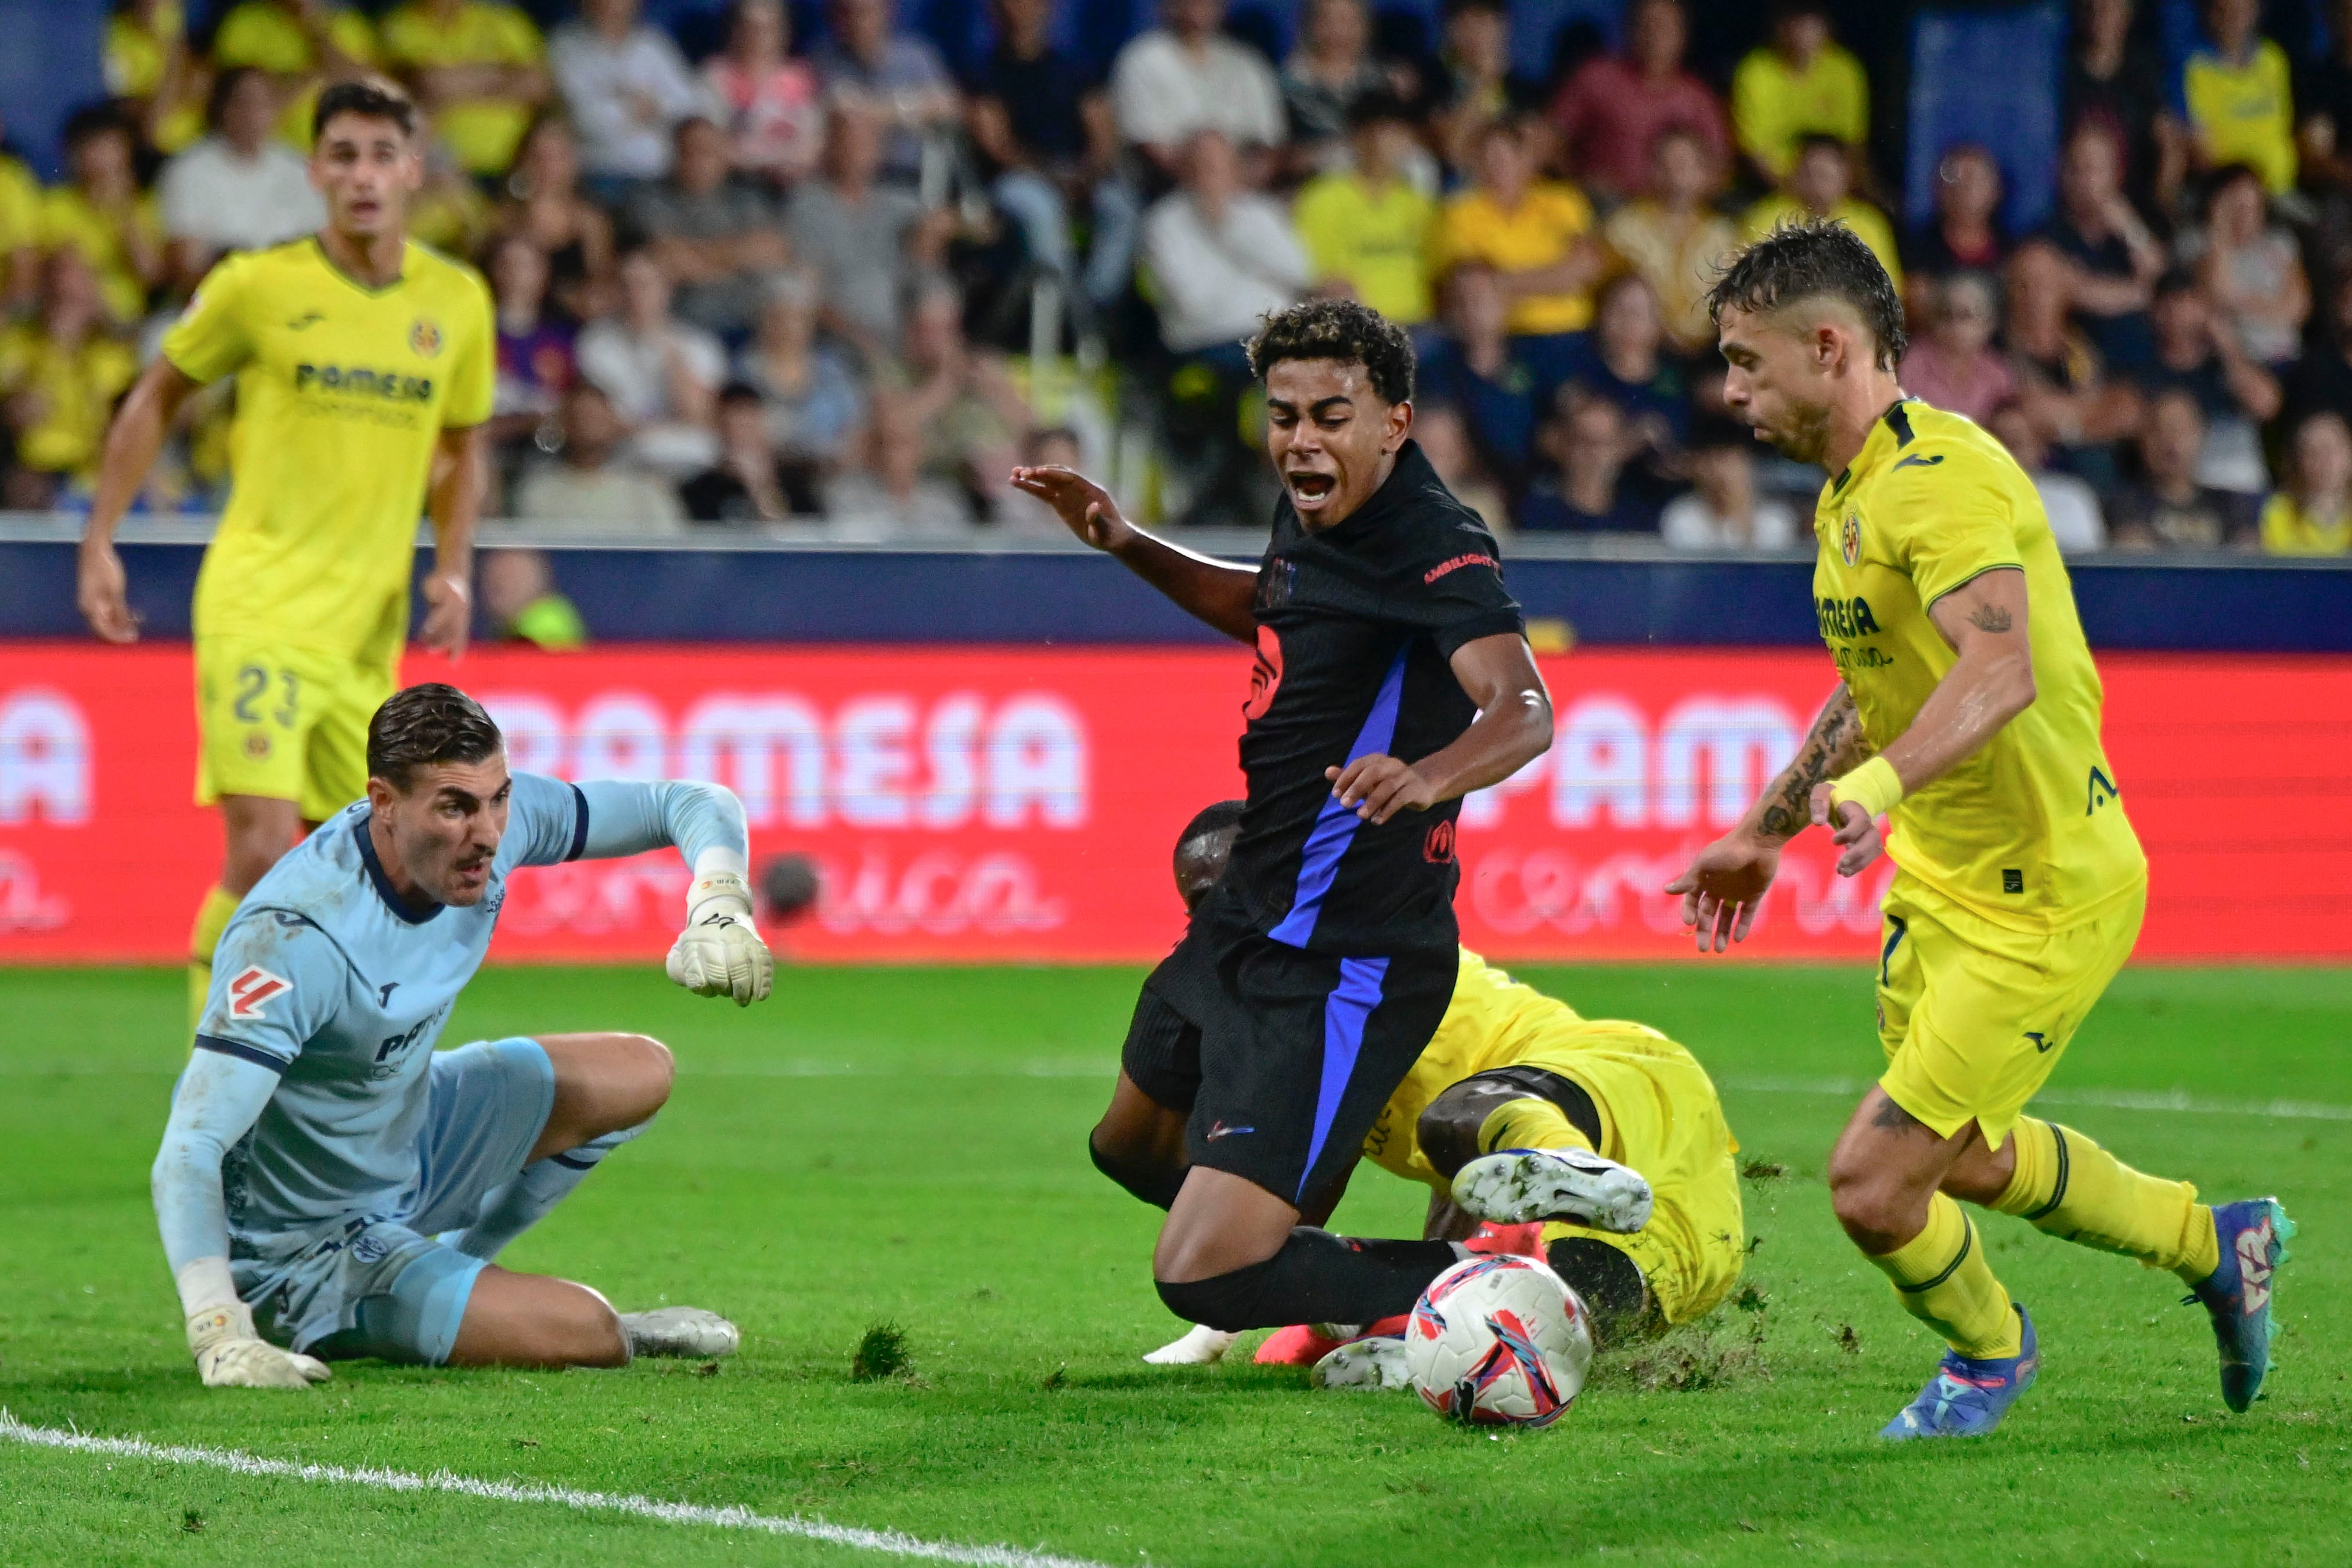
point(1499, 1341)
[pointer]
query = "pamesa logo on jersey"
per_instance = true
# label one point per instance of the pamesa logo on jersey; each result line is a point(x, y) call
point(389, 385)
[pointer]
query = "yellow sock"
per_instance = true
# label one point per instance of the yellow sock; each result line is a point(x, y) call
point(1530, 1125)
point(212, 919)
point(1942, 1279)
point(2068, 1187)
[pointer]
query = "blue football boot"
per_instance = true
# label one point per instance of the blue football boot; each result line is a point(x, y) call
point(1968, 1398)
point(2253, 1233)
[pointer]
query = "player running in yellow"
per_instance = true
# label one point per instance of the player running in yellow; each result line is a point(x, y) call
point(1969, 717)
point(364, 365)
point(1501, 1117)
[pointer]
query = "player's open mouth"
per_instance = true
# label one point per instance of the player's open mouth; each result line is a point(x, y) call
point(1307, 490)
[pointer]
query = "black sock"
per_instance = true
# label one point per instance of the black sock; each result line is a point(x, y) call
point(1155, 1184)
point(1317, 1277)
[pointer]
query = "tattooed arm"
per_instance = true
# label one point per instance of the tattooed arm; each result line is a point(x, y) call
point(1833, 746)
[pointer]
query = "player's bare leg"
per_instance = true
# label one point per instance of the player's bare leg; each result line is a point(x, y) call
point(257, 830)
point(1139, 1144)
point(604, 1083)
point(533, 1319)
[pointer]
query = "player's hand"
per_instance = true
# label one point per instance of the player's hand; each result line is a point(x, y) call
point(229, 1355)
point(1084, 507)
point(720, 953)
point(1724, 888)
point(1854, 830)
point(102, 589)
point(1377, 787)
point(448, 615)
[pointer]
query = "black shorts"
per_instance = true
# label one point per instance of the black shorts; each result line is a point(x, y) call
point(1281, 1057)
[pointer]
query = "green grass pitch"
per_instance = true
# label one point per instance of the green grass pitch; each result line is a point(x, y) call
point(906, 1146)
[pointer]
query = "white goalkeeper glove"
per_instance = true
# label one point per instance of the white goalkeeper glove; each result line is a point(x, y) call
point(229, 1355)
point(720, 953)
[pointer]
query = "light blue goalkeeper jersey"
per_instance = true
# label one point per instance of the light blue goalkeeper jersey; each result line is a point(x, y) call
point(328, 980)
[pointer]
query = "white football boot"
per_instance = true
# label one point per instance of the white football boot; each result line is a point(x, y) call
point(1374, 1362)
point(1199, 1347)
point(1513, 1186)
point(680, 1331)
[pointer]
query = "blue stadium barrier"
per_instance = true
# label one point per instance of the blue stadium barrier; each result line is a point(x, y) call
point(727, 594)
point(1989, 78)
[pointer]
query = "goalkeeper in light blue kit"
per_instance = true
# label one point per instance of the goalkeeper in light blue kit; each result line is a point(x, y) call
point(329, 1186)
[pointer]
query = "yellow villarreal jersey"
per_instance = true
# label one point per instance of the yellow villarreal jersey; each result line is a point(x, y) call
point(2028, 832)
point(342, 391)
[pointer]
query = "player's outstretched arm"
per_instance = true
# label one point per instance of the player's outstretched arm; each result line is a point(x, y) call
point(1724, 887)
point(101, 590)
point(1990, 683)
point(1216, 592)
point(720, 953)
point(217, 1102)
point(1512, 729)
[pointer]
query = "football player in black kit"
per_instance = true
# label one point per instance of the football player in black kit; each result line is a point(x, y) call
point(1393, 676)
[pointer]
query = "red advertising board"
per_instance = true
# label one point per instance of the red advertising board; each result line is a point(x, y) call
point(1019, 804)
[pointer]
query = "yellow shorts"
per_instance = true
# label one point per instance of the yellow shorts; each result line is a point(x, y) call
point(1974, 1015)
point(286, 723)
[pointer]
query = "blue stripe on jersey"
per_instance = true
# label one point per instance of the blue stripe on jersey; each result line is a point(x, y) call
point(384, 888)
point(1345, 1013)
point(1335, 825)
point(242, 1051)
point(574, 1163)
point(579, 822)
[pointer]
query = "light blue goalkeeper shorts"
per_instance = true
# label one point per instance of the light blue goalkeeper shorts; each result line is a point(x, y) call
point(378, 1285)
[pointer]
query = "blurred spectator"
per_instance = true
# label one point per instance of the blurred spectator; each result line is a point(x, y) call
point(101, 212)
point(2311, 515)
point(1445, 438)
point(866, 241)
point(624, 86)
point(60, 375)
point(661, 373)
point(897, 75)
point(2196, 353)
point(1473, 369)
point(2250, 269)
point(775, 121)
point(2062, 379)
point(1479, 88)
point(2323, 99)
point(888, 498)
point(152, 71)
point(751, 483)
point(520, 602)
point(2070, 503)
point(1365, 227)
point(1329, 70)
point(2241, 99)
point(971, 415)
point(1537, 235)
point(2116, 258)
point(302, 44)
point(718, 238)
point(1723, 511)
point(1673, 239)
point(1965, 235)
point(477, 67)
point(240, 188)
point(1044, 125)
point(1952, 364)
point(1586, 493)
point(2115, 83)
point(535, 350)
point(1801, 84)
point(591, 485)
point(1821, 185)
point(2165, 508)
point(1627, 361)
point(2323, 378)
point(20, 230)
point(449, 211)
point(1185, 76)
point(813, 402)
point(1221, 256)
point(1611, 111)
point(544, 204)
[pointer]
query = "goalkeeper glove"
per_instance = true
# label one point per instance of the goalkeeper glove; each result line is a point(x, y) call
point(229, 1355)
point(720, 953)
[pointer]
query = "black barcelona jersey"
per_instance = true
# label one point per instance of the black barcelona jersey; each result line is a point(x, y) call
point(1356, 626)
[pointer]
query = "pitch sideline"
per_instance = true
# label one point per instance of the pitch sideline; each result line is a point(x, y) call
point(891, 1543)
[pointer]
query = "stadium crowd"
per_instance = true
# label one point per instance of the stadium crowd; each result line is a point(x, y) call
point(815, 282)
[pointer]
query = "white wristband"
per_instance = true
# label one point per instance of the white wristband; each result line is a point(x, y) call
point(726, 888)
point(205, 1286)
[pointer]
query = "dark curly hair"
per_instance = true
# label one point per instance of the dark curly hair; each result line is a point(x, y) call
point(422, 725)
point(1342, 330)
point(374, 96)
point(1808, 259)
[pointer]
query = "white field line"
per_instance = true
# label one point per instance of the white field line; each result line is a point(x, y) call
point(888, 1542)
point(2100, 1099)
